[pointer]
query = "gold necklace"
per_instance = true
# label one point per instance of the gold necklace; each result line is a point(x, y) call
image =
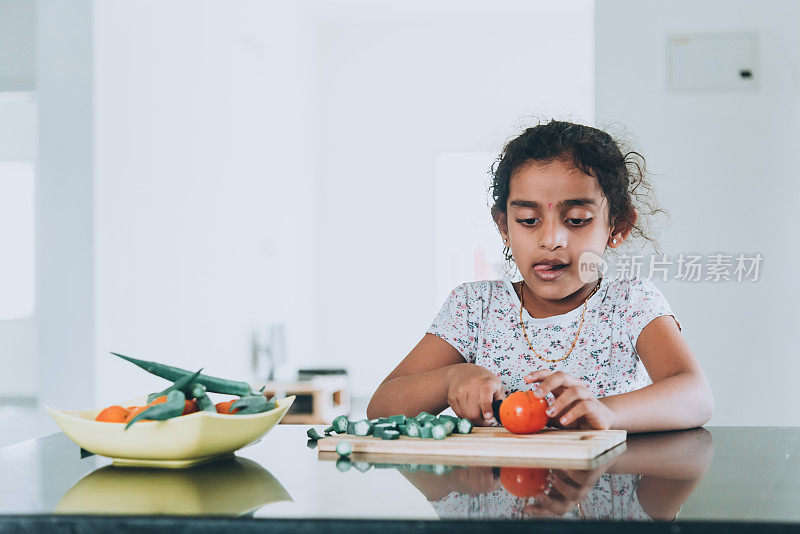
point(583, 314)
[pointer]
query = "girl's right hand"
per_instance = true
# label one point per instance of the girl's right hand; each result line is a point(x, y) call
point(471, 389)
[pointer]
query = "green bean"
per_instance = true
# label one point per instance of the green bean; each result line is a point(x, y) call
point(183, 384)
point(173, 407)
point(213, 384)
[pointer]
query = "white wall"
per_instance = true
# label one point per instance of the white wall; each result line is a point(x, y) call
point(400, 84)
point(64, 218)
point(17, 143)
point(17, 45)
point(18, 336)
point(726, 168)
point(204, 186)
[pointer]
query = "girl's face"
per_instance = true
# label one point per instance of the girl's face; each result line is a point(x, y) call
point(555, 212)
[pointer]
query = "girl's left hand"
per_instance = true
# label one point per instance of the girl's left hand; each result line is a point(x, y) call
point(575, 406)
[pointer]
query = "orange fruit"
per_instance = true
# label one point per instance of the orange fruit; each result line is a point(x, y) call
point(112, 414)
point(133, 411)
point(225, 407)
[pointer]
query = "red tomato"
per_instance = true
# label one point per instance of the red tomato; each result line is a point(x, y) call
point(522, 412)
point(523, 482)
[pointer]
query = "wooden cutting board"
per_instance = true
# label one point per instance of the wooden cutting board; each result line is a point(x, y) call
point(491, 442)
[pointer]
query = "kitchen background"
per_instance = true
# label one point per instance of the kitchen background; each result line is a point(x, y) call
point(180, 180)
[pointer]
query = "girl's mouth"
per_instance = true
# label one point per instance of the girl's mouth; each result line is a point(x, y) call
point(549, 272)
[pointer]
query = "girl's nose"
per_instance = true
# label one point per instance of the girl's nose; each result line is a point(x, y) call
point(552, 235)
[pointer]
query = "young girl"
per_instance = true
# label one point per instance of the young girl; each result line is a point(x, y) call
point(607, 353)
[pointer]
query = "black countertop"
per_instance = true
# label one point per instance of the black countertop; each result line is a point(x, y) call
point(737, 478)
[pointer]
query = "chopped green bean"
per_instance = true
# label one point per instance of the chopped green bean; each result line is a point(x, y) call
point(340, 424)
point(439, 431)
point(343, 464)
point(448, 424)
point(313, 434)
point(413, 428)
point(344, 448)
point(362, 428)
point(362, 467)
point(390, 434)
point(464, 426)
point(380, 428)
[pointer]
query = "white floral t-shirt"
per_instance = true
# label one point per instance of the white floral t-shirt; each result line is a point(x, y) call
point(481, 320)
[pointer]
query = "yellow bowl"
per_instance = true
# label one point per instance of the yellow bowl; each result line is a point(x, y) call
point(180, 442)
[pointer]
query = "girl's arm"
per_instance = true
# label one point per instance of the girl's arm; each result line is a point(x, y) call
point(680, 395)
point(432, 377)
point(419, 383)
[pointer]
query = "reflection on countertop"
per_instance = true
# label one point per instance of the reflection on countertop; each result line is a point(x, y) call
point(649, 480)
point(233, 486)
point(729, 474)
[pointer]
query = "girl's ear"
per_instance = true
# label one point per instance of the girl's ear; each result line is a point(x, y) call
point(501, 221)
point(622, 228)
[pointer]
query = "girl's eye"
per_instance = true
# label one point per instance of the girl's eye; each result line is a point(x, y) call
point(572, 222)
point(578, 222)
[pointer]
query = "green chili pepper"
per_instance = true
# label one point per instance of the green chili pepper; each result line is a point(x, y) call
point(173, 407)
point(182, 384)
point(249, 404)
point(204, 404)
point(213, 384)
point(196, 390)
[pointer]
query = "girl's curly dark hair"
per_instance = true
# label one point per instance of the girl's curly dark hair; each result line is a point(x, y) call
point(622, 178)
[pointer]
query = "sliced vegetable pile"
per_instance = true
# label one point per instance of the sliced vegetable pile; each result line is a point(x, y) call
point(424, 425)
point(187, 394)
